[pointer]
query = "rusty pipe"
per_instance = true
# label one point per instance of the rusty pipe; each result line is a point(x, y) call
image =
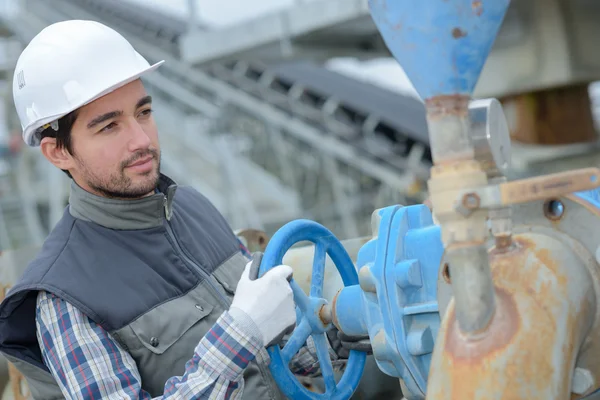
point(463, 236)
point(545, 307)
point(448, 123)
point(472, 286)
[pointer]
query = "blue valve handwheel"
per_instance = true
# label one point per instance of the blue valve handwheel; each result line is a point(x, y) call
point(308, 309)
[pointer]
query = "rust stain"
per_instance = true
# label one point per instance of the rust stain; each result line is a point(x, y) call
point(503, 243)
point(257, 240)
point(471, 201)
point(514, 357)
point(477, 8)
point(502, 330)
point(333, 310)
point(440, 106)
point(458, 33)
point(447, 274)
point(324, 314)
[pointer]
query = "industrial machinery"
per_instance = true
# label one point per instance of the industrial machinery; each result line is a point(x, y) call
point(496, 299)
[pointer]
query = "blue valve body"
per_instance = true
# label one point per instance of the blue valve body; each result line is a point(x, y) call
point(396, 302)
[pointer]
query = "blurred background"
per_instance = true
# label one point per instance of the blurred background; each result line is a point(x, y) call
point(283, 109)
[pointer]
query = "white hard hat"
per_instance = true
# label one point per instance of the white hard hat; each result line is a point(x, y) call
point(68, 65)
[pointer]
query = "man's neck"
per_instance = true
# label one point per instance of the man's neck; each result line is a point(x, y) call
point(123, 214)
point(108, 195)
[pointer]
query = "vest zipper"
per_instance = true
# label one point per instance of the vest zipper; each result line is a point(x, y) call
point(219, 295)
point(267, 378)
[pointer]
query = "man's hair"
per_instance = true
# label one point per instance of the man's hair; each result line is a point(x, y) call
point(63, 134)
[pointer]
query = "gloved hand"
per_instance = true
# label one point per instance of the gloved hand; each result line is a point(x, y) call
point(342, 343)
point(268, 301)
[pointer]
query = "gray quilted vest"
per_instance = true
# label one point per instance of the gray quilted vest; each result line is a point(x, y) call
point(162, 270)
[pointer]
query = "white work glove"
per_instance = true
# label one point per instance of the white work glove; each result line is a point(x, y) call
point(268, 301)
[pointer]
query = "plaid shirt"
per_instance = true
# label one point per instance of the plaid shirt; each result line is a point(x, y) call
point(88, 363)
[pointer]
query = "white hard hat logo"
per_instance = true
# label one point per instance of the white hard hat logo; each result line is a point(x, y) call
point(21, 79)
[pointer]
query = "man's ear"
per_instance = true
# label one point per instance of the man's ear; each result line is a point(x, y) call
point(59, 157)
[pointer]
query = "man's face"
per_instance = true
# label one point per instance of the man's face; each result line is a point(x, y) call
point(115, 145)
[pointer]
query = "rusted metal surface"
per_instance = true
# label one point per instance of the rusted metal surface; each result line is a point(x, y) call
point(254, 239)
point(325, 314)
point(477, 7)
point(473, 287)
point(447, 119)
point(334, 319)
point(546, 305)
point(458, 33)
point(446, 274)
point(471, 201)
point(579, 229)
point(503, 242)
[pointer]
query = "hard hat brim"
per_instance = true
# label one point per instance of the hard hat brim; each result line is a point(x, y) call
point(32, 133)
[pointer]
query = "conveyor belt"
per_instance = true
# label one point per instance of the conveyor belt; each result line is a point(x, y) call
point(342, 161)
point(354, 110)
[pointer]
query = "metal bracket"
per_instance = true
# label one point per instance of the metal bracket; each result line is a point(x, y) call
point(527, 190)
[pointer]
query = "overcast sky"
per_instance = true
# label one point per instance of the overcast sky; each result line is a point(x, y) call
point(221, 13)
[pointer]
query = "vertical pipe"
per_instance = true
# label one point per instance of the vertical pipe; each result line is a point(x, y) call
point(447, 119)
point(472, 287)
point(463, 236)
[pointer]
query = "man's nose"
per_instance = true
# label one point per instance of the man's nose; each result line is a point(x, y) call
point(138, 138)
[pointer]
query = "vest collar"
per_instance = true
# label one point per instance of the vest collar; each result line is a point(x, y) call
point(144, 213)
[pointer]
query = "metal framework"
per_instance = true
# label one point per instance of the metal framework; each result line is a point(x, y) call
point(307, 156)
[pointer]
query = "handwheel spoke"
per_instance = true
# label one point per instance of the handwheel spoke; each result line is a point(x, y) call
point(300, 298)
point(325, 361)
point(296, 341)
point(318, 271)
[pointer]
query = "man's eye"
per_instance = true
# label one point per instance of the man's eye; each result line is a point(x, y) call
point(108, 127)
point(147, 112)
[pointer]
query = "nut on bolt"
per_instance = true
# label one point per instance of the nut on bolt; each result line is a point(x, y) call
point(583, 380)
point(471, 201)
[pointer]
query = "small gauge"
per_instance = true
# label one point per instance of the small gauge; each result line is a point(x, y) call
point(490, 136)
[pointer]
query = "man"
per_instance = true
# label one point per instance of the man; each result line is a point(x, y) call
point(141, 290)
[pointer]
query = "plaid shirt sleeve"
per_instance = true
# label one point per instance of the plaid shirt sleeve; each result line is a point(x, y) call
point(88, 363)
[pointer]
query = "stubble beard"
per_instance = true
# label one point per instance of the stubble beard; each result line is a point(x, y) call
point(120, 186)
